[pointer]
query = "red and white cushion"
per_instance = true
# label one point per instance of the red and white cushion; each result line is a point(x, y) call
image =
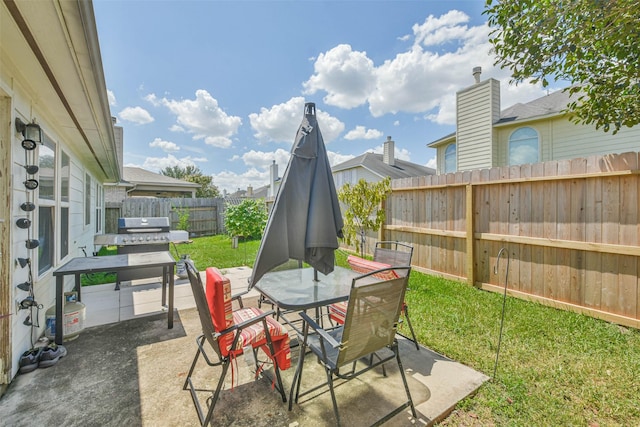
point(218, 292)
point(365, 266)
point(338, 311)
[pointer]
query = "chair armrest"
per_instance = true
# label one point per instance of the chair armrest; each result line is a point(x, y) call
point(248, 322)
point(319, 330)
point(238, 297)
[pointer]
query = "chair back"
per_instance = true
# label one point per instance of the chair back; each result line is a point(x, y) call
point(393, 253)
point(208, 329)
point(372, 315)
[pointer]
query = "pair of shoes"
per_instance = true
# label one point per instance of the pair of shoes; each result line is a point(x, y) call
point(30, 360)
point(51, 354)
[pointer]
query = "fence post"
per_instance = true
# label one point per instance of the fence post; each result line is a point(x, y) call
point(470, 241)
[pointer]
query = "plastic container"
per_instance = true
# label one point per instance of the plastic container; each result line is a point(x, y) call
point(74, 313)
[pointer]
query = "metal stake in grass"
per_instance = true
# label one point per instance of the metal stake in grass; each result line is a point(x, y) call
point(504, 301)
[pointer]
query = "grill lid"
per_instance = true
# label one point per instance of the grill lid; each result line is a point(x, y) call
point(143, 225)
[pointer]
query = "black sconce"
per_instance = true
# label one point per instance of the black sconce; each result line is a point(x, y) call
point(23, 222)
point(31, 132)
point(24, 262)
point(31, 184)
point(28, 302)
point(31, 169)
point(28, 206)
point(25, 286)
point(32, 243)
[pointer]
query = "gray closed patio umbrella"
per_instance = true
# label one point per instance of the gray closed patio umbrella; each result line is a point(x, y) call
point(305, 221)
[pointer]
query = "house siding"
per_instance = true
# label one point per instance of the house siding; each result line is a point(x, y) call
point(477, 108)
point(561, 139)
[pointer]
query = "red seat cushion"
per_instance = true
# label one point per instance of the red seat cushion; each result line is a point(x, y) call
point(218, 292)
point(338, 311)
point(364, 266)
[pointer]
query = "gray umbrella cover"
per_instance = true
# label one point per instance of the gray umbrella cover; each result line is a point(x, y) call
point(305, 221)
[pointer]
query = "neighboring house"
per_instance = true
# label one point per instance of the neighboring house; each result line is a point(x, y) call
point(375, 167)
point(140, 182)
point(51, 78)
point(537, 131)
point(151, 184)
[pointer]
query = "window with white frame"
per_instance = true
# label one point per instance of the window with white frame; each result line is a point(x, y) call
point(46, 204)
point(524, 146)
point(87, 199)
point(99, 205)
point(65, 175)
point(450, 161)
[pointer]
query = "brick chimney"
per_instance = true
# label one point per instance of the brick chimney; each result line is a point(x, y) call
point(249, 191)
point(388, 154)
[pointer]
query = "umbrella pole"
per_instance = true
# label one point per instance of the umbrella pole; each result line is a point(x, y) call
point(315, 274)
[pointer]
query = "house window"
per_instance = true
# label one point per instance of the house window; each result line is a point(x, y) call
point(99, 203)
point(46, 230)
point(524, 146)
point(450, 163)
point(65, 175)
point(46, 204)
point(87, 199)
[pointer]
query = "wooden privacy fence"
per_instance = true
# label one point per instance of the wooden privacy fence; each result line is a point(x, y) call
point(570, 228)
point(204, 215)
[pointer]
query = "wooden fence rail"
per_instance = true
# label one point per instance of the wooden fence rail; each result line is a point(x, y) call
point(570, 228)
point(205, 216)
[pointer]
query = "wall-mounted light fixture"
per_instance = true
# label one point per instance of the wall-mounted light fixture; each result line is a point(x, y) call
point(31, 132)
point(32, 243)
point(28, 206)
point(31, 184)
point(25, 286)
point(23, 222)
point(31, 169)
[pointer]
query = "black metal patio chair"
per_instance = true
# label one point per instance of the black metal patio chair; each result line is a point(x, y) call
point(369, 326)
point(228, 332)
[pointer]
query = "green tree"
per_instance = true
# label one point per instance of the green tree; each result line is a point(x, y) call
point(594, 44)
point(195, 175)
point(247, 219)
point(363, 201)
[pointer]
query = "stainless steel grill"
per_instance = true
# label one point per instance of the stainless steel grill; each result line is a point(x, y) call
point(137, 235)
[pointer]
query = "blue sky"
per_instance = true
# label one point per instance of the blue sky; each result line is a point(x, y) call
point(221, 85)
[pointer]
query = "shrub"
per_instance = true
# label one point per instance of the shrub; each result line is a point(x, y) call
point(247, 219)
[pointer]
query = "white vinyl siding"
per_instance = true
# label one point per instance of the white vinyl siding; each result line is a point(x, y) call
point(477, 109)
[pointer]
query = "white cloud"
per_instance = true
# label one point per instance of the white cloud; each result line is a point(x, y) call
point(360, 132)
point(423, 79)
point(337, 158)
point(137, 115)
point(231, 181)
point(112, 98)
point(347, 76)
point(280, 122)
point(432, 163)
point(156, 164)
point(166, 146)
point(201, 117)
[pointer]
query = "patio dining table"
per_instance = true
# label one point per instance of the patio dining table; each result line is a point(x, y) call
point(297, 290)
point(114, 263)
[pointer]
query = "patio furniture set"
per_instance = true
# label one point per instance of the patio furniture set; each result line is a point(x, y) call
point(363, 306)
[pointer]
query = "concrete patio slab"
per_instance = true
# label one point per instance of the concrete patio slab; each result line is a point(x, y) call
point(131, 372)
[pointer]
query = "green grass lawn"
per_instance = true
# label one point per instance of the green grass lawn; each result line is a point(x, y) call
point(555, 367)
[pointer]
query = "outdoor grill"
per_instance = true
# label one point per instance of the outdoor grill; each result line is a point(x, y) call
point(137, 235)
